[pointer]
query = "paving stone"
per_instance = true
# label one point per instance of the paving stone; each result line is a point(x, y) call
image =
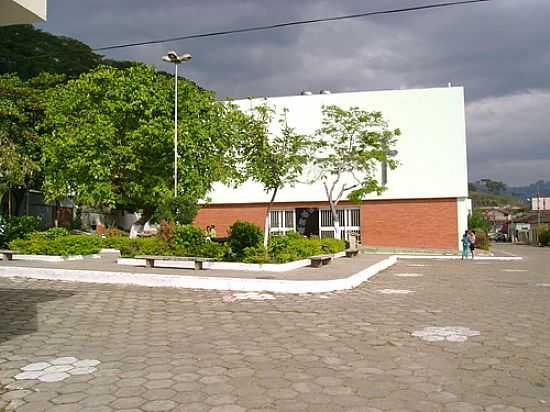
point(160, 349)
point(159, 405)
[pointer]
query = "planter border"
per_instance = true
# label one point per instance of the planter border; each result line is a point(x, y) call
point(53, 258)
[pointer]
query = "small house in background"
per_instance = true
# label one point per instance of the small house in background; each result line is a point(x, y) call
point(32, 203)
point(426, 204)
point(540, 203)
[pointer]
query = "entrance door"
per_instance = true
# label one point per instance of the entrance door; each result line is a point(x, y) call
point(307, 221)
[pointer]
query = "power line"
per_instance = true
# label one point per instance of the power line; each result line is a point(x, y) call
point(291, 23)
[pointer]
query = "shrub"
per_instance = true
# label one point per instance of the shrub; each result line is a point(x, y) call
point(243, 235)
point(214, 250)
point(294, 246)
point(167, 228)
point(17, 227)
point(41, 244)
point(482, 239)
point(329, 245)
point(114, 232)
point(189, 238)
point(56, 232)
point(142, 246)
point(256, 254)
point(478, 221)
point(543, 235)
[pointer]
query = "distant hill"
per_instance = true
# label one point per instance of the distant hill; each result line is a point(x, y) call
point(532, 190)
point(480, 199)
point(28, 52)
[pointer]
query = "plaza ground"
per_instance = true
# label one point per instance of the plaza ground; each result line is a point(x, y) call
point(188, 350)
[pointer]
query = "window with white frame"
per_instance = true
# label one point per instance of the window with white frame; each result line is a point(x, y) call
point(282, 221)
point(350, 222)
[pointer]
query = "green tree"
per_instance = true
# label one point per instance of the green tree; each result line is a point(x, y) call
point(28, 51)
point(352, 145)
point(111, 140)
point(275, 159)
point(494, 186)
point(22, 107)
point(478, 220)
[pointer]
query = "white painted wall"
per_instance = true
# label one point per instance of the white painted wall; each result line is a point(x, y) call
point(432, 148)
point(540, 203)
point(22, 11)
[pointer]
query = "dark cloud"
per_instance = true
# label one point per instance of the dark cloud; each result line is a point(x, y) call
point(499, 51)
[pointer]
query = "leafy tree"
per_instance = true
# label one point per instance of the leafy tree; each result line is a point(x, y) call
point(276, 159)
point(478, 220)
point(22, 107)
point(495, 186)
point(352, 144)
point(111, 140)
point(472, 187)
point(28, 51)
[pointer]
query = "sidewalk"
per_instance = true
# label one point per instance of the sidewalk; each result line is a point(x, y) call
point(340, 274)
point(338, 269)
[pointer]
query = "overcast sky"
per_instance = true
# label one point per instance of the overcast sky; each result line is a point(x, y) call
point(499, 51)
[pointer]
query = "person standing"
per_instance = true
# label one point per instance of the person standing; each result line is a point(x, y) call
point(472, 237)
point(465, 244)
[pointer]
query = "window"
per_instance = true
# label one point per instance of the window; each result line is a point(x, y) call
point(281, 221)
point(350, 222)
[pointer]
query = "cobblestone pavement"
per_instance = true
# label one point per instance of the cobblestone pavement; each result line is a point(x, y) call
point(359, 350)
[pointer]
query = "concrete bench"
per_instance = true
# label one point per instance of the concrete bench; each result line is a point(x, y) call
point(150, 260)
point(321, 260)
point(351, 252)
point(7, 254)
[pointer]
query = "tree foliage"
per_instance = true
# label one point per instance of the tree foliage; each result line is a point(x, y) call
point(29, 52)
point(478, 220)
point(22, 108)
point(352, 145)
point(275, 158)
point(110, 141)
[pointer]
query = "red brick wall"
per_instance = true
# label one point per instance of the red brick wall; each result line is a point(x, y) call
point(415, 223)
point(223, 216)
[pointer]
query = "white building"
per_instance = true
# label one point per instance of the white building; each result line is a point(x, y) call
point(540, 203)
point(426, 203)
point(22, 11)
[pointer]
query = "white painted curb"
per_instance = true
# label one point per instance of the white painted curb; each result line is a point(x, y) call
point(453, 257)
point(214, 283)
point(53, 258)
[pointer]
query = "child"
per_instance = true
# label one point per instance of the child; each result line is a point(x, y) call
point(472, 237)
point(465, 245)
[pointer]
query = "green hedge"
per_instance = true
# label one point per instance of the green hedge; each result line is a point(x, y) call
point(294, 246)
point(244, 245)
point(17, 227)
point(40, 244)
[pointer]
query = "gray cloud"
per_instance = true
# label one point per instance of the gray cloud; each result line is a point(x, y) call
point(498, 51)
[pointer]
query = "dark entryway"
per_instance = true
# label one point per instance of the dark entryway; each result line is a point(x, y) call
point(307, 221)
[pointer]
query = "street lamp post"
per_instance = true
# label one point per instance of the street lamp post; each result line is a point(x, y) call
point(172, 57)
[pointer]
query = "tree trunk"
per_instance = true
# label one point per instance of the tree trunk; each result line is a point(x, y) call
point(266, 223)
point(336, 222)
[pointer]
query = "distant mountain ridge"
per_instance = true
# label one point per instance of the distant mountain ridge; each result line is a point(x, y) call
point(540, 187)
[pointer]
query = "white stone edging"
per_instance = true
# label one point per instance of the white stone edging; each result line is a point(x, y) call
point(237, 266)
point(212, 283)
point(52, 258)
point(454, 257)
